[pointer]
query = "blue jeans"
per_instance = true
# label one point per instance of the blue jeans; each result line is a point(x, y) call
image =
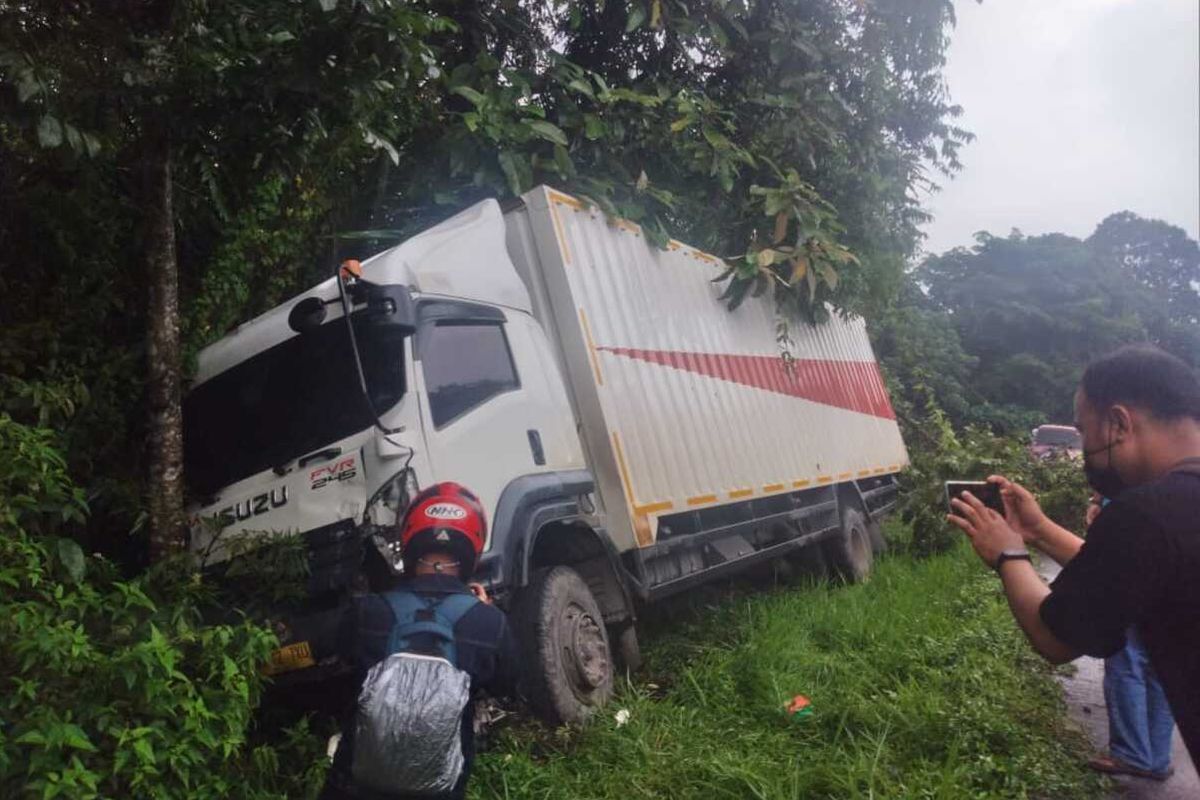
point(1139, 720)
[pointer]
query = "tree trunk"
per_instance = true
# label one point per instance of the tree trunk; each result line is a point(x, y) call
point(164, 484)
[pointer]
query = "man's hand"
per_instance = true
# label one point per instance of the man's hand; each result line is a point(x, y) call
point(479, 592)
point(989, 533)
point(1021, 509)
point(1093, 509)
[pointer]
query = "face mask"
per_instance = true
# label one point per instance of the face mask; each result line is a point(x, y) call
point(1104, 480)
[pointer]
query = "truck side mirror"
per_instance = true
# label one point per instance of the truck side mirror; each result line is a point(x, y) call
point(307, 315)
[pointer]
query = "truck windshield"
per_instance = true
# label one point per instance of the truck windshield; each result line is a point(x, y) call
point(287, 401)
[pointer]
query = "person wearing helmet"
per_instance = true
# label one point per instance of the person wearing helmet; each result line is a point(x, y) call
point(442, 535)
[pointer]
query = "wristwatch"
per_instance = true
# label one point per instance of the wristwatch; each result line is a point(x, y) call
point(1011, 555)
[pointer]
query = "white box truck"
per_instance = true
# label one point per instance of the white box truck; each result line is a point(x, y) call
point(629, 437)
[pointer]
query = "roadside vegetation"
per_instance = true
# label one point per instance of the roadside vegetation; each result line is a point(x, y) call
point(920, 684)
point(920, 687)
point(173, 168)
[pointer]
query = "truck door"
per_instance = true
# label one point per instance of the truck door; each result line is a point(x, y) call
point(483, 402)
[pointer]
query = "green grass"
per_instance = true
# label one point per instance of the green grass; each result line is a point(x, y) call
point(921, 686)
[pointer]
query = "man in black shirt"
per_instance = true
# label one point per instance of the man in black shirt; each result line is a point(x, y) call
point(1138, 411)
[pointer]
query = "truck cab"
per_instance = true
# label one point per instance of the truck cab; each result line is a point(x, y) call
point(280, 441)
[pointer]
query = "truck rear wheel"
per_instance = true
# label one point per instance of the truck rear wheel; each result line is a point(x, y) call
point(850, 553)
point(565, 645)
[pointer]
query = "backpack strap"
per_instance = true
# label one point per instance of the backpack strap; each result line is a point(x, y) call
point(449, 610)
point(405, 606)
point(454, 607)
point(445, 612)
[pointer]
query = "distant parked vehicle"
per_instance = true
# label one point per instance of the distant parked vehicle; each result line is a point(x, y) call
point(1051, 441)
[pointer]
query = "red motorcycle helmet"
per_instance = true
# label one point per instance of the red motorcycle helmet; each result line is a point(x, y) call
point(445, 517)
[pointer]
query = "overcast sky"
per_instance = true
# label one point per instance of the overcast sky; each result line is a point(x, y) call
point(1080, 108)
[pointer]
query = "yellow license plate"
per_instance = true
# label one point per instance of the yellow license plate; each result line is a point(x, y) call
point(289, 658)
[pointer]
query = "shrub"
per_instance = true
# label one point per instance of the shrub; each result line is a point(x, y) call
point(118, 688)
point(939, 453)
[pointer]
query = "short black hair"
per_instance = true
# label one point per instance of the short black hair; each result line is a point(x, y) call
point(1146, 377)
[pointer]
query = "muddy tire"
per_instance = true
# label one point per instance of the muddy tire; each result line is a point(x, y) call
point(850, 553)
point(565, 647)
point(627, 649)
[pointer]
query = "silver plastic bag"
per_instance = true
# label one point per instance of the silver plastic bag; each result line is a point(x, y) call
point(408, 730)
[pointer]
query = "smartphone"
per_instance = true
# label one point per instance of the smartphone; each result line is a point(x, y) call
point(989, 493)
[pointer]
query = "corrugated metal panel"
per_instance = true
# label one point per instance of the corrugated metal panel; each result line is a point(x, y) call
point(695, 405)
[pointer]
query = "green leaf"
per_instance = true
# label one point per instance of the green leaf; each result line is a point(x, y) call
point(636, 18)
point(717, 139)
point(508, 164)
point(475, 97)
point(723, 275)
point(562, 160)
point(380, 143)
point(593, 127)
point(725, 176)
point(279, 37)
point(328, 5)
point(71, 556)
point(548, 131)
point(680, 124)
point(739, 293)
point(27, 86)
point(581, 87)
point(73, 736)
point(829, 275)
point(144, 750)
point(49, 131)
point(74, 140)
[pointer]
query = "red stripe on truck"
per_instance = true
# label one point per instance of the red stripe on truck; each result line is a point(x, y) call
point(852, 385)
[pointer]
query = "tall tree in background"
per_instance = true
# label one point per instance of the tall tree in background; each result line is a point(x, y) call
point(788, 135)
point(1165, 263)
point(214, 97)
point(1035, 310)
point(1159, 256)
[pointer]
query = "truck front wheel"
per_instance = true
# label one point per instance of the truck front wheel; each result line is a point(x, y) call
point(850, 552)
point(565, 645)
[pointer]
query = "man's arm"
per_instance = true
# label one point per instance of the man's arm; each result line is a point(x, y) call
point(1025, 592)
point(1056, 541)
point(1105, 588)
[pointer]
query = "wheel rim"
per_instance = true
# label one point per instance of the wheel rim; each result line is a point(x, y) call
point(585, 653)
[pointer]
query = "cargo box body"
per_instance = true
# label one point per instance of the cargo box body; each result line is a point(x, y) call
point(683, 405)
